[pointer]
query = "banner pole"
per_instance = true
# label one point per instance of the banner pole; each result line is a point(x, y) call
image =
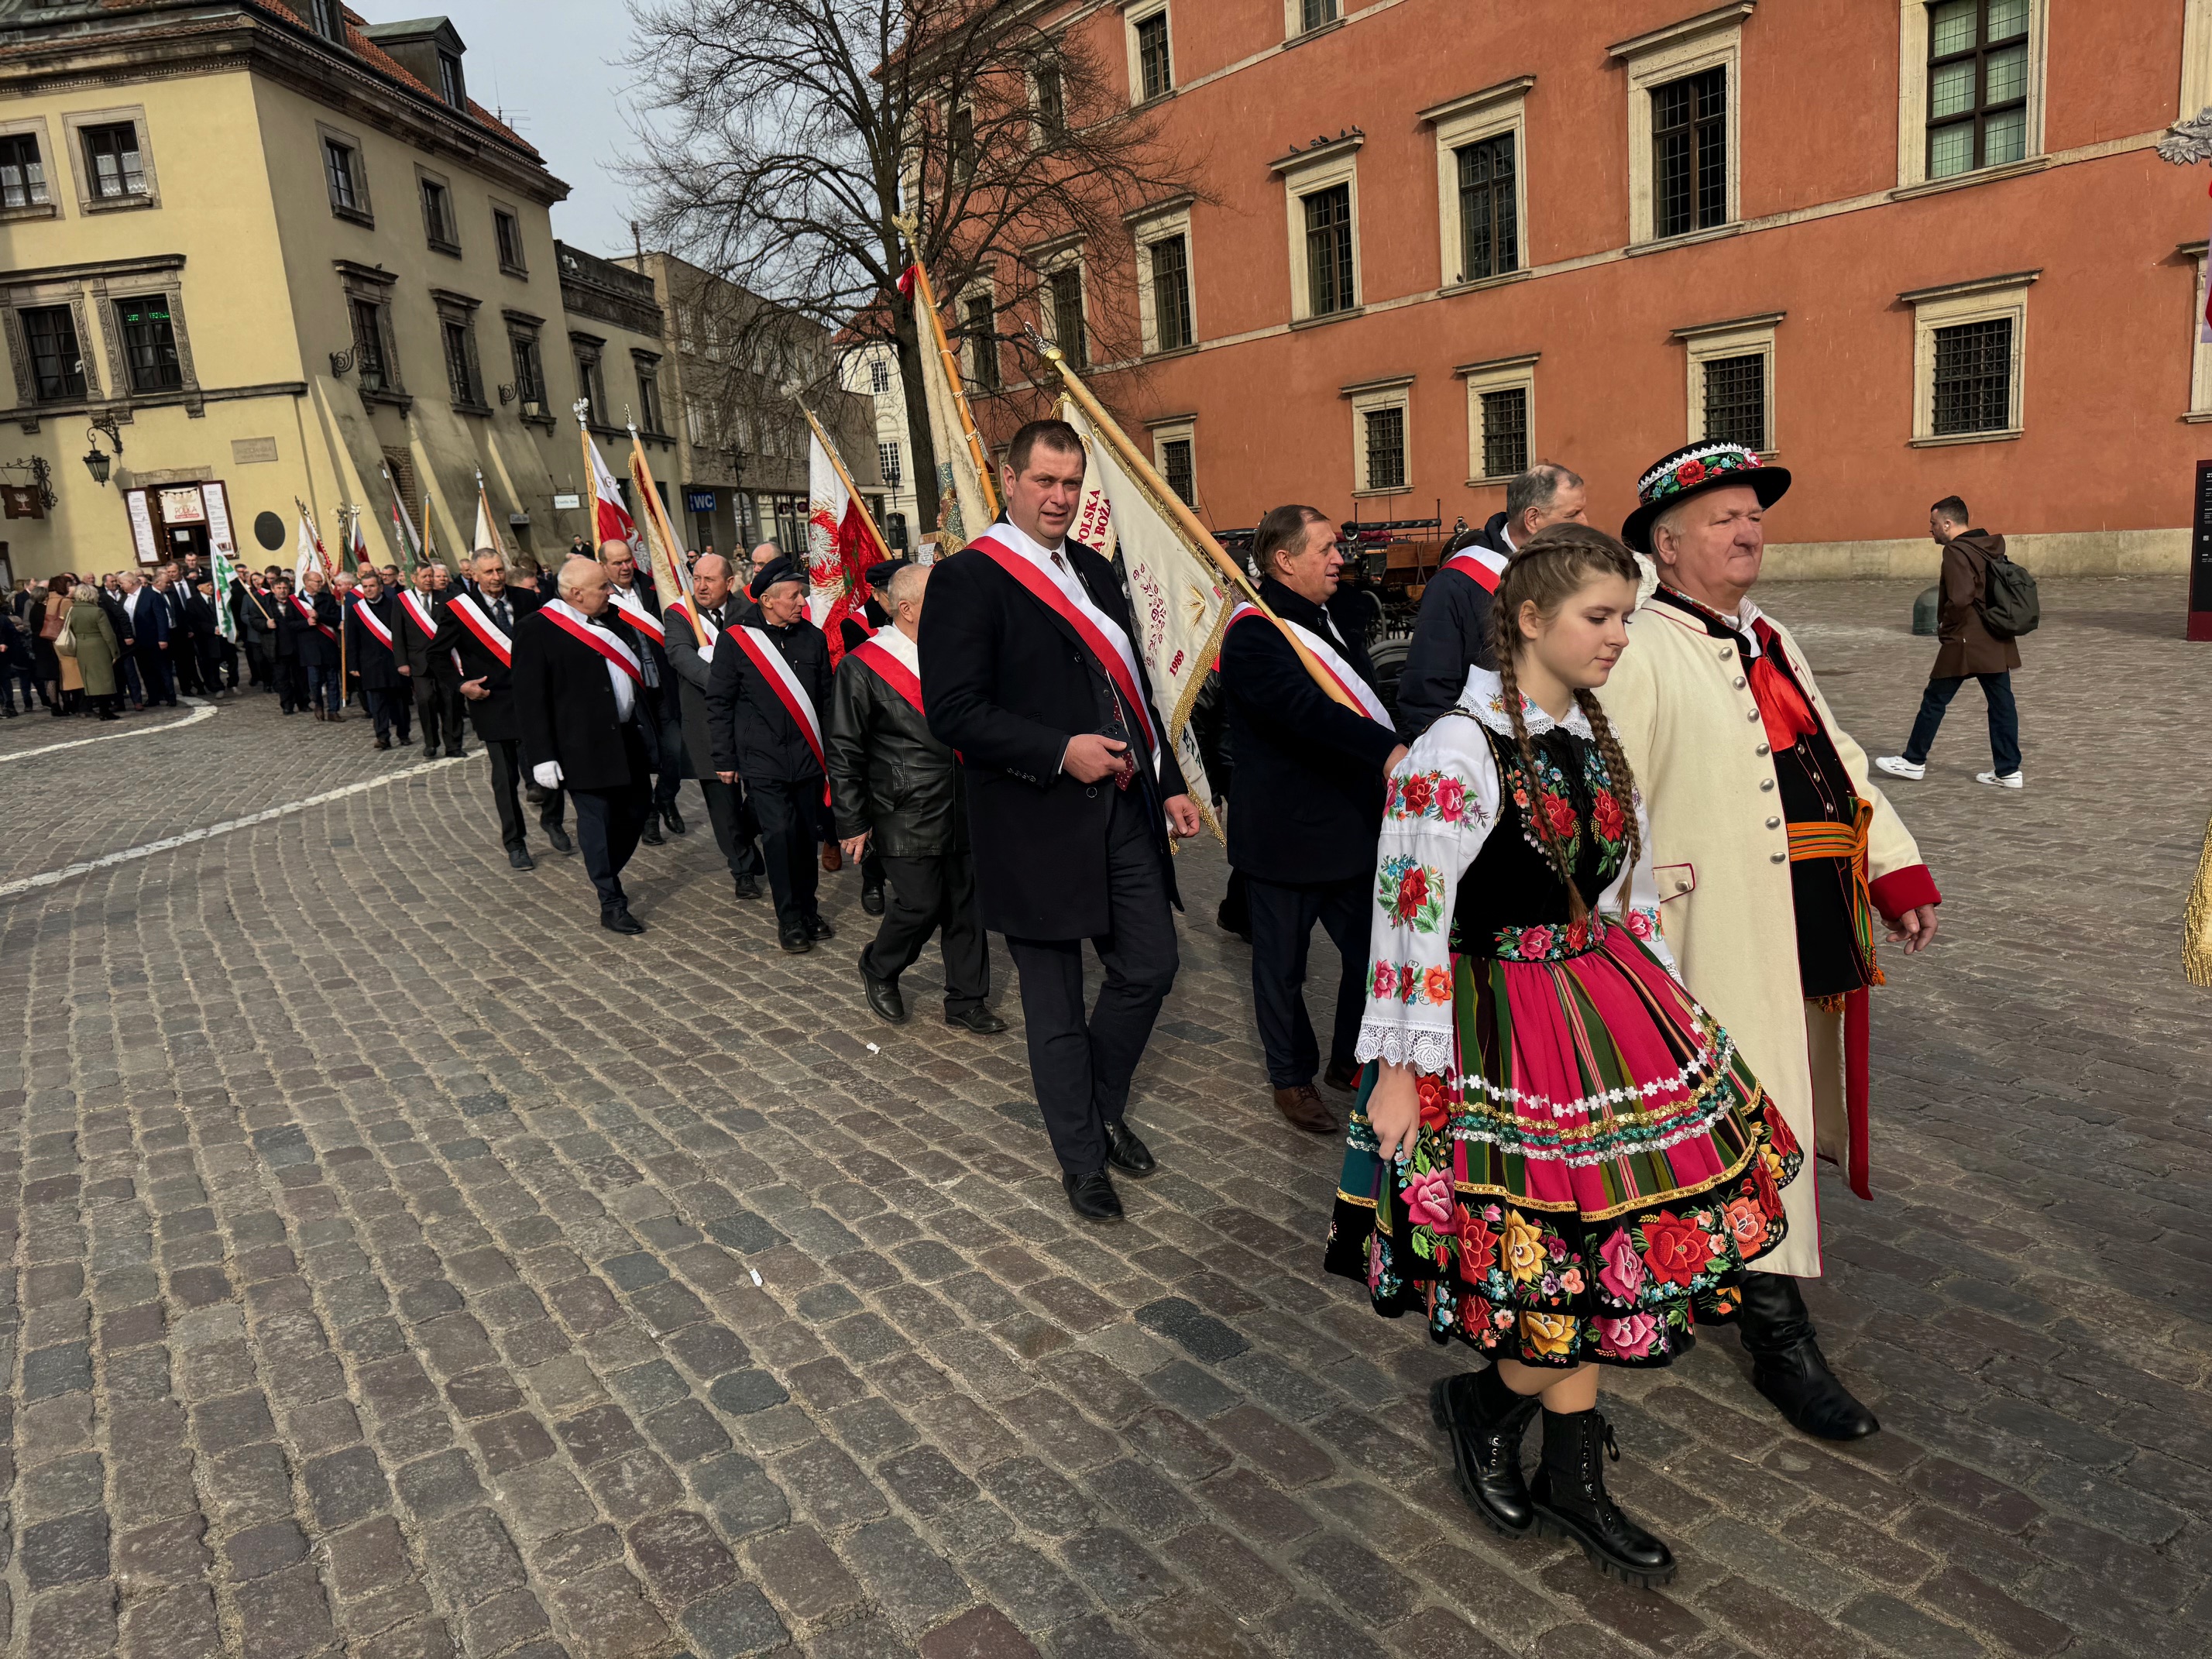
point(959, 390)
point(846, 478)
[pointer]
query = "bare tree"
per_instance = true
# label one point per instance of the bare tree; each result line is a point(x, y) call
point(792, 135)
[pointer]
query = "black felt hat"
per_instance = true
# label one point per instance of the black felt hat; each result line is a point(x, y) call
point(1690, 471)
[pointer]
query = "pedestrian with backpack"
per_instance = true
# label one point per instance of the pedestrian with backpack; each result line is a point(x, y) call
point(1987, 602)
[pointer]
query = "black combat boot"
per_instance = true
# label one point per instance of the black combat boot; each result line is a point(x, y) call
point(1788, 1367)
point(1569, 1499)
point(1486, 1421)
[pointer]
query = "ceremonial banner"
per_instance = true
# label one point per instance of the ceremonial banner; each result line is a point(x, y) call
point(967, 500)
point(222, 556)
point(402, 530)
point(1176, 599)
point(487, 536)
point(842, 542)
point(360, 545)
point(671, 578)
point(311, 553)
point(610, 519)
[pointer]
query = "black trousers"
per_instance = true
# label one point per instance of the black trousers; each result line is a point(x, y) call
point(790, 825)
point(662, 719)
point(291, 683)
point(872, 868)
point(1283, 919)
point(217, 656)
point(438, 704)
point(156, 678)
point(184, 651)
point(1081, 1068)
point(257, 670)
point(927, 896)
point(735, 831)
point(506, 775)
point(608, 824)
point(388, 708)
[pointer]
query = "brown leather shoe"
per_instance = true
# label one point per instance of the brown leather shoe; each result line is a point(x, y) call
point(1302, 1109)
point(832, 857)
point(1343, 1079)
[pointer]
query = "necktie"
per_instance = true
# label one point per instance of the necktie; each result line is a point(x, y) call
point(500, 611)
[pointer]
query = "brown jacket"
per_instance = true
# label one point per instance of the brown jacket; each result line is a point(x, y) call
point(1968, 648)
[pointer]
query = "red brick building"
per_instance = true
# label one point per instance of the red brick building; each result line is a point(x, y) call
point(1909, 248)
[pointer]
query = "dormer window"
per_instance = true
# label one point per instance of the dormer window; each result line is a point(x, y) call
point(450, 84)
point(327, 18)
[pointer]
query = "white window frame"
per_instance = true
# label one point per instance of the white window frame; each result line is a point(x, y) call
point(51, 206)
point(1154, 226)
point(2200, 359)
point(2196, 57)
point(1499, 374)
point(1326, 165)
point(1740, 336)
point(73, 126)
point(1367, 398)
point(1980, 300)
point(1913, 99)
point(1469, 120)
point(1175, 428)
point(1144, 12)
point(1294, 19)
point(1713, 39)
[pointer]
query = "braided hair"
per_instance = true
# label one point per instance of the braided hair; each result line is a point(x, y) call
point(1548, 571)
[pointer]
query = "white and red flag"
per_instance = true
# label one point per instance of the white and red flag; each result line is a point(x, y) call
point(311, 553)
point(842, 542)
point(610, 519)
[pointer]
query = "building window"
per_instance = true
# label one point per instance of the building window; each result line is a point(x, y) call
point(149, 343)
point(1689, 153)
point(1155, 75)
point(529, 374)
point(888, 463)
point(438, 216)
point(648, 396)
point(960, 142)
point(506, 232)
point(451, 86)
point(1065, 286)
point(984, 343)
point(1329, 286)
point(327, 19)
point(591, 389)
point(1489, 237)
point(1051, 104)
point(22, 172)
point(1730, 394)
point(114, 168)
point(1973, 378)
point(1504, 432)
point(1386, 448)
point(1176, 466)
point(1977, 73)
point(1501, 395)
point(1736, 400)
point(369, 344)
point(1171, 265)
point(338, 169)
point(56, 359)
point(1312, 14)
point(879, 376)
point(461, 373)
point(2200, 339)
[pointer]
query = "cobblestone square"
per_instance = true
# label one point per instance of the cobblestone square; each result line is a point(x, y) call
point(404, 1267)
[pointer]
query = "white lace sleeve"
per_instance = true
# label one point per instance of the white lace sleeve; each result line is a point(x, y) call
point(1641, 916)
point(1439, 808)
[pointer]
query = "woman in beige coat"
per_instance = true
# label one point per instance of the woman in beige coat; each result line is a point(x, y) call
point(94, 650)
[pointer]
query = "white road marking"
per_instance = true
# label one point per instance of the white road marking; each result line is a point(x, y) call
point(52, 877)
point(201, 711)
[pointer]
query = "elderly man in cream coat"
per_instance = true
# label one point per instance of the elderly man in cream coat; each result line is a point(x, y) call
point(1773, 854)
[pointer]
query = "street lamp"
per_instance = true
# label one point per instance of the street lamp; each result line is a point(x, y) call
point(97, 462)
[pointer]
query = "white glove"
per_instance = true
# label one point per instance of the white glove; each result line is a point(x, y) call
point(548, 775)
point(707, 652)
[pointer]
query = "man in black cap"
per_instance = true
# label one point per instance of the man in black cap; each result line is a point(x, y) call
point(691, 662)
point(763, 703)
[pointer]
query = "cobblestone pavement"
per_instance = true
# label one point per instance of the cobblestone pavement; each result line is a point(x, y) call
point(403, 1267)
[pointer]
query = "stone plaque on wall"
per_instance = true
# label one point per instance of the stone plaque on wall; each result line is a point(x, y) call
point(243, 452)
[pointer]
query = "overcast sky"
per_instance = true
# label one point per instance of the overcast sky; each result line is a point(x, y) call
point(555, 68)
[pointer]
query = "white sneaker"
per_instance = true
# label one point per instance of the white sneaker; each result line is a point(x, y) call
point(2002, 780)
point(1898, 767)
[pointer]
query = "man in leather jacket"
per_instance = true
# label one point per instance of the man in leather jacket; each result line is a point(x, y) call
point(896, 791)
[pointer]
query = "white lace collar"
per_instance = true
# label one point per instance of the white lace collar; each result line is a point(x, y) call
point(1484, 699)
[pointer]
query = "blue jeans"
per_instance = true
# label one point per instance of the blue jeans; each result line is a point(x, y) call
point(325, 688)
point(2005, 719)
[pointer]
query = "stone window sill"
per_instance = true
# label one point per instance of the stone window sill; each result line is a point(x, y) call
point(1949, 439)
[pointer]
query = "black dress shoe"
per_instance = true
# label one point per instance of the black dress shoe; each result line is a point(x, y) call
point(651, 835)
point(1093, 1196)
point(1127, 1153)
point(620, 920)
point(559, 837)
point(818, 930)
point(1486, 1421)
point(384, 743)
point(979, 1019)
point(747, 888)
point(1571, 1502)
point(882, 994)
point(454, 751)
point(872, 900)
point(673, 819)
point(520, 859)
point(1788, 1367)
point(1344, 1080)
point(794, 940)
point(429, 753)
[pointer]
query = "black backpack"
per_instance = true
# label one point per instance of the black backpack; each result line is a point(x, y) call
point(2009, 606)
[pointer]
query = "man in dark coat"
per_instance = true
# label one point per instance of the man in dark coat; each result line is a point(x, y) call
point(578, 700)
point(254, 607)
point(1030, 675)
point(479, 628)
point(115, 600)
point(206, 633)
point(284, 646)
point(147, 615)
point(1451, 634)
point(1305, 803)
point(690, 666)
point(1967, 650)
point(764, 724)
point(183, 655)
point(428, 676)
point(897, 793)
point(316, 643)
point(663, 719)
point(372, 653)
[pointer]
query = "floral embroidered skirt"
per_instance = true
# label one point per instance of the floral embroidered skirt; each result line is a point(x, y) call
point(1592, 1174)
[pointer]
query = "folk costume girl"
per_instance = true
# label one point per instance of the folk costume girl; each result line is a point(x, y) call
point(1561, 1159)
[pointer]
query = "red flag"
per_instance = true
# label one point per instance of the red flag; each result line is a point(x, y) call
point(856, 551)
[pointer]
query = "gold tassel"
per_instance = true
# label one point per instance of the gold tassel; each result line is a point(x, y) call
point(2197, 922)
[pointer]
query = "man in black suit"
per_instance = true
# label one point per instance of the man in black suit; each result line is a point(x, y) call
point(578, 703)
point(206, 634)
point(480, 627)
point(1029, 674)
point(371, 652)
point(428, 676)
point(183, 654)
point(147, 614)
point(663, 719)
point(691, 666)
point(1305, 803)
point(765, 723)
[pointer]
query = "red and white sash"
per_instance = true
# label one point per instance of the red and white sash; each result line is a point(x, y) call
point(606, 643)
point(1487, 568)
point(487, 631)
point(1098, 631)
point(1332, 663)
point(372, 622)
point(307, 611)
point(421, 612)
point(891, 671)
point(635, 614)
point(761, 652)
point(705, 625)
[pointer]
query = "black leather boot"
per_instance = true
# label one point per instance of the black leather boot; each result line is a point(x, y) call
point(1569, 1499)
point(1788, 1367)
point(1486, 1421)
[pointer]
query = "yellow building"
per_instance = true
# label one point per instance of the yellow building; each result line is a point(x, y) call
point(278, 254)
